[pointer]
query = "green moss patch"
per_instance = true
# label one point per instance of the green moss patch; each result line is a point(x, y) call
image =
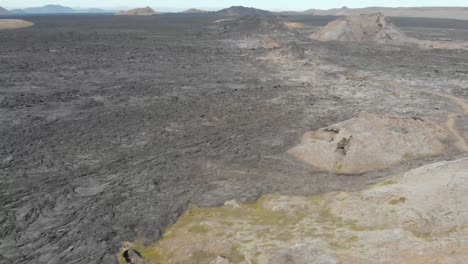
point(397, 201)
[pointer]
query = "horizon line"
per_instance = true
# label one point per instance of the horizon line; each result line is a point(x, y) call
point(115, 8)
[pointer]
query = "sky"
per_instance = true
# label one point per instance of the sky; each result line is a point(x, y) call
point(217, 4)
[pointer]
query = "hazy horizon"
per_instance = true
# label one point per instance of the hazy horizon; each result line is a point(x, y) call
point(162, 5)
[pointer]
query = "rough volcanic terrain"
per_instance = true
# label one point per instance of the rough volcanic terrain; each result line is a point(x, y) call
point(113, 126)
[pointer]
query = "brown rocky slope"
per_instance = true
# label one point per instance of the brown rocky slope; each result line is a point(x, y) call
point(372, 27)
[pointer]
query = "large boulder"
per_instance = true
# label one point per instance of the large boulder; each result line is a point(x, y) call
point(370, 142)
point(147, 11)
point(370, 27)
point(14, 23)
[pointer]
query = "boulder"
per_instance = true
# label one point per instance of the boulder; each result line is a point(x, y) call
point(133, 257)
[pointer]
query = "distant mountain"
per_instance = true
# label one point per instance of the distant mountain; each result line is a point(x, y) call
point(239, 11)
point(147, 11)
point(194, 11)
point(92, 10)
point(3, 11)
point(48, 9)
point(430, 12)
point(17, 11)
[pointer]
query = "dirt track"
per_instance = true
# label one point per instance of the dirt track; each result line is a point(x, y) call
point(112, 126)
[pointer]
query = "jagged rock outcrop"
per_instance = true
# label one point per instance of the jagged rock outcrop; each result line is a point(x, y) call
point(391, 222)
point(370, 142)
point(371, 27)
point(14, 23)
point(147, 11)
point(133, 257)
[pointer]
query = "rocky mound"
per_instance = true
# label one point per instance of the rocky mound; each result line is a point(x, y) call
point(391, 222)
point(251, 24)
point(240, 11)
point(147, 11)
point(14, 23)
point(361, 28)
point(370, 142)
point(3, 11)
point(194, 11)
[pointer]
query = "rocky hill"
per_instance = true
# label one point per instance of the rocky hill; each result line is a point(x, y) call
point(194, 11)
point(48, 9)
point(147, 11)
point(372, 27)
point(14, 23)
point(239, 11)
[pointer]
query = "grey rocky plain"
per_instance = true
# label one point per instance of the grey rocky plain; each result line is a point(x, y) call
point(111, 127)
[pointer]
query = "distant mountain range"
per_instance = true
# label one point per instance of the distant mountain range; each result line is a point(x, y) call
point(237, 11)
point(3, 11)
point(49, 9)
point(430, 12)
point(52, 9)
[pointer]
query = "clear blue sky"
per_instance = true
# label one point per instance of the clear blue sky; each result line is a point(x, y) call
point(215, 4)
